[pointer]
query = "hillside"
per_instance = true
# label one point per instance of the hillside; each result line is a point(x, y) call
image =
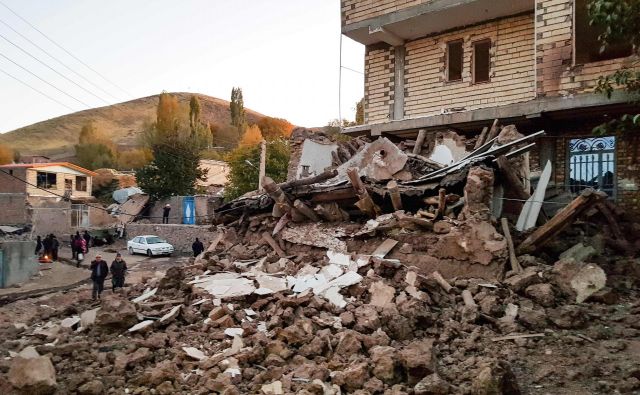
point(122, 122)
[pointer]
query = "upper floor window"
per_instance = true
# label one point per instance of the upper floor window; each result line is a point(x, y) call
point(46, 180)
point(586, 43)
point(481, 61)
point(81, 183)
point(454, 60)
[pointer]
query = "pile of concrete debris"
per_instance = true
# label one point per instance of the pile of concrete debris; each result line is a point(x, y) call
point(340, 284)
point(320, 321)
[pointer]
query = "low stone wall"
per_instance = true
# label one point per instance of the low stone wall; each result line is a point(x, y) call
point(180, 236)
point(18, 262)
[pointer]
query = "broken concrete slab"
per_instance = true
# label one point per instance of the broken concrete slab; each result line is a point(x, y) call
point(171, 315)
point(140, 326)
point(33, 375)
point(316, 235)
point(579, 253)
point(145, 296)
point(231, 332)
point(28, 352)
point(589, 280)
point(378, 160)
point(226, 285)
point(70, 322)
point(270, 284)
point(194, 353)
point(88, 318)
point(381, 294)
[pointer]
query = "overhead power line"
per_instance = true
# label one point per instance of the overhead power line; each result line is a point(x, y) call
point(65, 50)
point(52, 69)
point(58, 60)
point(37, 90)
point(45, 81)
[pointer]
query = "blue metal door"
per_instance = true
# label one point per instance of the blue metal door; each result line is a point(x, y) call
point(188, 210)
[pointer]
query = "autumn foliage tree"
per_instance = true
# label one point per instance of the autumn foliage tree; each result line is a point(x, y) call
point(94, 150)
point(6, 155)
point(252, 136)
point(274, 127)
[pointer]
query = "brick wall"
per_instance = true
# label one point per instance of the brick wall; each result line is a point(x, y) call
point(556, 73)
point(378, 82)
point(180, 236)
point(511, 71)
point(13, 209)
point(10, 184)
point(358, 10)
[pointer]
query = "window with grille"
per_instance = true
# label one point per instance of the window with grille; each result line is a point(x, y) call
point(592, 164)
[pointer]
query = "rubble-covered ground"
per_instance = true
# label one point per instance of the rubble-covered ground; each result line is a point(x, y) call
point(320, 322)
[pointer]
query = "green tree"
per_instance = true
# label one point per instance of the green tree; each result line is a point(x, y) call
point(237, 108)
point(619, 21)
point(243, 177)
point(174, 169)
point(194, 112)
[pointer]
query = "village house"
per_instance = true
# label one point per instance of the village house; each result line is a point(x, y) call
point(449, 68)
point(52, 199)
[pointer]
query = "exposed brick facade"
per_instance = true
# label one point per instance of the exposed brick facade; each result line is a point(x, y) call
point(378, 82)
point(511, 68)
point(360, 10)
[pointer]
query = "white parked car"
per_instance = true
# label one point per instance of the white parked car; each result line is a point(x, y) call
point(149, 245)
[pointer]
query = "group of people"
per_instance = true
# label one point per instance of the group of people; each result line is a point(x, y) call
point(100, 270)
point(48, 246)
point(80, 244)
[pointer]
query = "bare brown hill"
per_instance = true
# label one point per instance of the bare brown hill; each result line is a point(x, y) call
point(122, 122)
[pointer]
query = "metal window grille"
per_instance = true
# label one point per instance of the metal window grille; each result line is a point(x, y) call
point(592, 164)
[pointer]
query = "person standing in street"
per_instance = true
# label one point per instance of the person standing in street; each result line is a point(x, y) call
point(118, 271)
point(46, 245)
point(55, 245)
point(197, 247)
point(165, 213)
point(87, 239)
point(38, 245)
point(99, 270)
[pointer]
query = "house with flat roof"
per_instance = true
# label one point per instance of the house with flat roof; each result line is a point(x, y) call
point(449, 68)
point(50, 196)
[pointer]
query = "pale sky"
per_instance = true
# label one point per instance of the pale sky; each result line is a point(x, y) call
point(284, 54)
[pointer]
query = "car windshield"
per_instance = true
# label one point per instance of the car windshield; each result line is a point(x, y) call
point(154, 240)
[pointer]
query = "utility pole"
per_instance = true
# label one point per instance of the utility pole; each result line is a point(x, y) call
point(263, 164)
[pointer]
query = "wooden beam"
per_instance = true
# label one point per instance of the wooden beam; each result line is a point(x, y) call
point(587, 199)
point(513, 259)
point(394, 193)
point(442, 203)
point(326, 175)
point(422, 135)
point(493, 132)
point(365, 204)
point(270, 240)
point(481, 138)
point(306, 210)
point(331, 212)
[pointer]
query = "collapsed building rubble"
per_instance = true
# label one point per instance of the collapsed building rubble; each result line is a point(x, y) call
point(333, 285)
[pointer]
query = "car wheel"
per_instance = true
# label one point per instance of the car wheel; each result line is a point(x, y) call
point(149, 253)
point(130, 250)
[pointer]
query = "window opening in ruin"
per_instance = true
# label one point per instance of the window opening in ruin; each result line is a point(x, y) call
point(46, 180)
point(592, 164)
point(481, 61)
point(454, 61)
point(586, 44)
point(81, 183)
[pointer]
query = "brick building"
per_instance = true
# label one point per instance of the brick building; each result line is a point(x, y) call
point(38, 201)
point(452, 67)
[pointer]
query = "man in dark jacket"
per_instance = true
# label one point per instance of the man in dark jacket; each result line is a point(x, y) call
point(165, 213)
point(55, 245)
point(118, 271)
point(38, 245)
point(197, 247)
point(99, 271)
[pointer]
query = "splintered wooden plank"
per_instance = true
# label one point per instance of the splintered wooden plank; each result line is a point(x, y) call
point(384, 248)
point(529, 214)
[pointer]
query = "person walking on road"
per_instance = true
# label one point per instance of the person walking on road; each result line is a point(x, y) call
point(118, 271)
point(99, 270)
point(197, 247)
point(165, 213)
point(87, 239)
